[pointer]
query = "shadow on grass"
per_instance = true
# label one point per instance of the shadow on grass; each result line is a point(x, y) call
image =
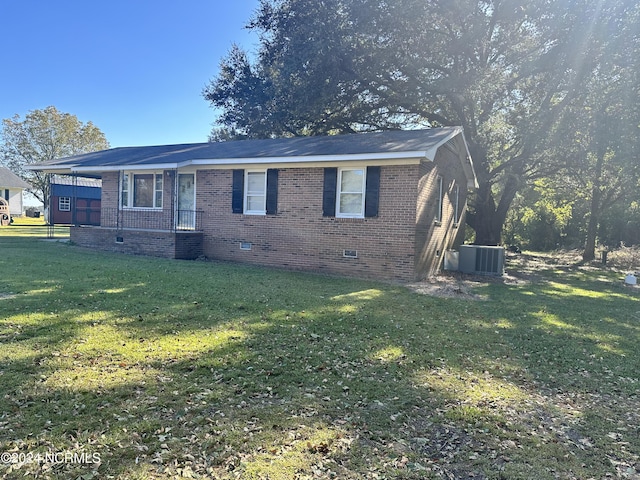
point(166, 368)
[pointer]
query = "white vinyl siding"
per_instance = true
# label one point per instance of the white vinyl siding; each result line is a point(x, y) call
point(124, 190)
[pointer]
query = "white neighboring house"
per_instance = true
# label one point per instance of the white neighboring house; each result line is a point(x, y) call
point(12, 188)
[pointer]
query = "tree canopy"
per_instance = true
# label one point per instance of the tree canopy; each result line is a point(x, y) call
point(45, 135)
point(511, 73)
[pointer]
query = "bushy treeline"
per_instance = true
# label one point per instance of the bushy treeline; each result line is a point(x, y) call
point(542, 220)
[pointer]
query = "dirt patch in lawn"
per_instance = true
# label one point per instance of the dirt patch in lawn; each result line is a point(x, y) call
point(450, 285)
point(520, 269)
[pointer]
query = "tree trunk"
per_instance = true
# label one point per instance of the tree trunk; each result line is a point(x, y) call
point(484, 219)
point(488, 218)
point(589, 252)
point(592, 228)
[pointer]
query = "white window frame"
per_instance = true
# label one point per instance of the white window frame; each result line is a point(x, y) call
point(124, 190)
point(362, 192)
point(255, 193)
point(440, 187)
point(64, 204)
point(456, 205)
point(128, 185)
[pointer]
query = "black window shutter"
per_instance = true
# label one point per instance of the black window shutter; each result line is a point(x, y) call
point(237, 198)
point(372, 195)
point(329, 192)
point(272, 191)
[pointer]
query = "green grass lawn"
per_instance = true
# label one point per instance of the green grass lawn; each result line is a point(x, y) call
point(129, 367)
point(34, 227)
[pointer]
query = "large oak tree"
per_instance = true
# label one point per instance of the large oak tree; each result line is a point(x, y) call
point(504, 70)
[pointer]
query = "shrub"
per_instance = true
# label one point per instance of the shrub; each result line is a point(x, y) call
point(626, 258)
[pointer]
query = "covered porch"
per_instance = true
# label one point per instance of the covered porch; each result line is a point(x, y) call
point(168, 233)
point(144, 214)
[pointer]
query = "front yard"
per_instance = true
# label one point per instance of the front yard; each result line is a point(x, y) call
point(131, 367)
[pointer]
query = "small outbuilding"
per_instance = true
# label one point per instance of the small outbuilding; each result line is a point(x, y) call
point(75, 200)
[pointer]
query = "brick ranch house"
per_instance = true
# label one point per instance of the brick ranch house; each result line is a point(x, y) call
point(381, 205)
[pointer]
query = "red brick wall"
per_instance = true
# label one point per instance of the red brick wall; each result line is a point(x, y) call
point(299, 237)
point(157, 244)
point(434, 238)
point(180, 245)
point(402, 243)
point(152, 219)
point(110, 191)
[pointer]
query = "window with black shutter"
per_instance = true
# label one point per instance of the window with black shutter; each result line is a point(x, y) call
point(237, 198)
point(372, 196)
point(351, 192)
point(255, 192)
point(272, 191)
point(329, 192)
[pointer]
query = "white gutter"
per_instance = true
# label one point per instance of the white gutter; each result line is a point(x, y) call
point(155, 166)
point(304, 159)
point(49, 168)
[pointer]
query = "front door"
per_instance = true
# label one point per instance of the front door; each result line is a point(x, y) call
point(186, 201)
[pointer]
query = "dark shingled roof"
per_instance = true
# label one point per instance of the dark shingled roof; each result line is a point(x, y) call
point(337, 145)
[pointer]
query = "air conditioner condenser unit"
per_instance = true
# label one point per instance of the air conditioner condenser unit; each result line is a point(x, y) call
point(481, 260)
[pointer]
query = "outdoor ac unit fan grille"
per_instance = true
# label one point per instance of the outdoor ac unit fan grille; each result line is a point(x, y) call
point(481, 260)
point(489, 261)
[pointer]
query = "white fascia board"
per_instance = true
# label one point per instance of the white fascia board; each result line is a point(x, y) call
point(431, 153)
point(397, 158)
point(50, 168)
point(465, 156)
point(118, 168)
point(472, 179)
point(353, 163)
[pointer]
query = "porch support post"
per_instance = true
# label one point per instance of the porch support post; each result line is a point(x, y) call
point(74, 202)
point(175, 214)
point(119, 200)
point(50, 232)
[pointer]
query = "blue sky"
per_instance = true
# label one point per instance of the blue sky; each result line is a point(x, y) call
point(135, 68)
